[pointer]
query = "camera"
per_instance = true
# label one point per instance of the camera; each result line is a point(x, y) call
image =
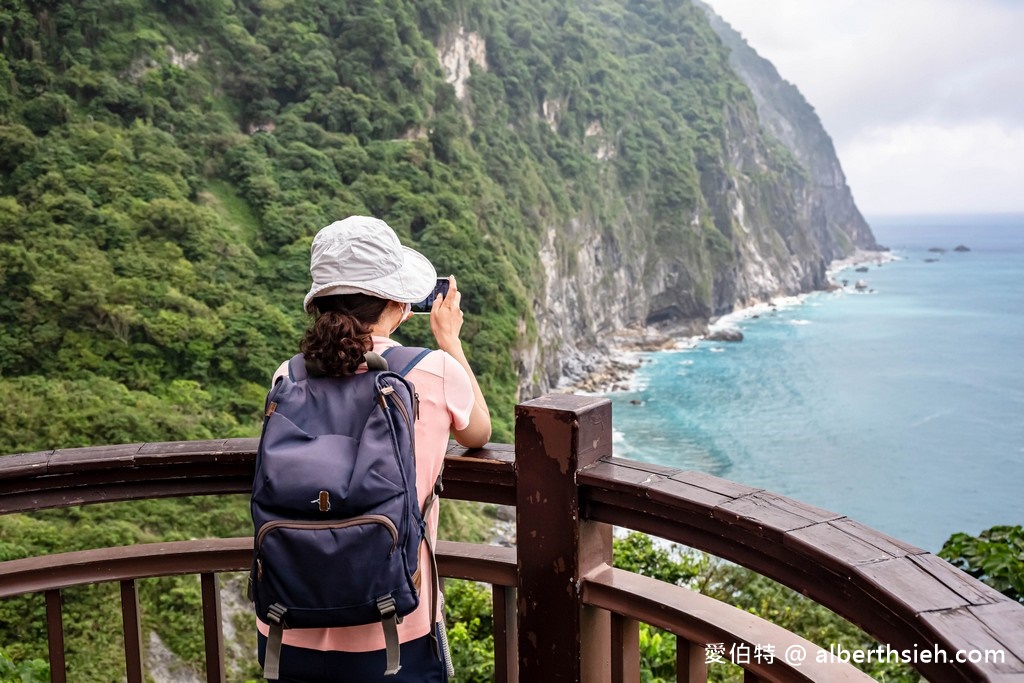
point(440, 287)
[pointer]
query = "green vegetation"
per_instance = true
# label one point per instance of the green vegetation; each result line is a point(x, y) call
point(470, 630)
point(995, 556)
point(92, 616)
point(164, 165)
point(34, 671)
point(746, 590)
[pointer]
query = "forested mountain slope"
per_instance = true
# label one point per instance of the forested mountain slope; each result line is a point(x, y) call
point(163, 166)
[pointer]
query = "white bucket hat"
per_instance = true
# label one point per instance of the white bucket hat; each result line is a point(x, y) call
point(363, 255)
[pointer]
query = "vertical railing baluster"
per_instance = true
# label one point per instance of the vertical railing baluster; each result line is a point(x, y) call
point(55, 637)
point(691, 662)
point(132, 630)
point(213, 632)
point(625, 650)
point(506, 662)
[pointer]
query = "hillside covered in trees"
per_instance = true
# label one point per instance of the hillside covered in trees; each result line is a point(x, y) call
point(164, 164)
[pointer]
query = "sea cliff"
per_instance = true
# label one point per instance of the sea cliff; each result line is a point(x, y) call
point(594, 172)
point(762, 204)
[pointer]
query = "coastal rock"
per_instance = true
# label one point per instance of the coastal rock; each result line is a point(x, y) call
point(728, 334)
point(931, 260)
point(862, 269)
point(961, 247)
point(503, 530)
point(938, 250)
point(603, 376)
point(861, 285)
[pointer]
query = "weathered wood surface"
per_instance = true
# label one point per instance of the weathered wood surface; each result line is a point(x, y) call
point(491, 564)
point(703, 620)
point(900, 594)
point(79, 476)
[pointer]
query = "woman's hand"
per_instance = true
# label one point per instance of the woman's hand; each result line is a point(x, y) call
point(446, 318)
point(446, 324)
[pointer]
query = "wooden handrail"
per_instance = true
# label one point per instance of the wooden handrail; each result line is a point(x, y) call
point(568, 489)
point(49, 574)
point(79, 476)
point(696, 617)
point(488, 563)
point(700, 620)
point(901, 595)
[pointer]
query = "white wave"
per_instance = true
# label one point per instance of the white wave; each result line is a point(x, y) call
point(929, 418)
point(797, 321)
point(690, 344)
point(860, 258)
point(638, 383)
point(717, 349)
point(761, 308)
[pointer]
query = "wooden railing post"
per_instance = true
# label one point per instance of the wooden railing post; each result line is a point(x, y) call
point(213, 630)
point(559, 640)
point(506, 663)
point(625, 650)
point(55, 636)
point(133, 651)
point(691, 662)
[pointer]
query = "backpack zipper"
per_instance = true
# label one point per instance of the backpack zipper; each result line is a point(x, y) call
point(389, 392)
point(322, 526)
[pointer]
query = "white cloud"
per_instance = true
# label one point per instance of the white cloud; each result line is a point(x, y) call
point(929, 168)
point(879, 71)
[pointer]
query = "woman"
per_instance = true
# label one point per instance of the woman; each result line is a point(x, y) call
point(364, 281)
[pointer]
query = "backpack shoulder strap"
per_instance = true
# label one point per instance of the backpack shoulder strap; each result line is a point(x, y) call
point(297, 368)
point(404, 358)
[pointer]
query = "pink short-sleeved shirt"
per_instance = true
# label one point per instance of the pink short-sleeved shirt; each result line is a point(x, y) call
point(446, 400)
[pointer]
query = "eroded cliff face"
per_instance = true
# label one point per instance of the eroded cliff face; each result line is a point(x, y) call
point(825, 203)
point(763, 219)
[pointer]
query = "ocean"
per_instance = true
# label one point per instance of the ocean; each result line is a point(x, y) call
point(900, 406)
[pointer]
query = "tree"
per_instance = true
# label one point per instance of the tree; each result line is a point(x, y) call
point(995, 556)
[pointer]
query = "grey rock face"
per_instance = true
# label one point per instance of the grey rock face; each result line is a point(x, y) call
point(778, 207)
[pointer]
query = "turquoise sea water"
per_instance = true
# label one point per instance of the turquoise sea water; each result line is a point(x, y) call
point(901, 407)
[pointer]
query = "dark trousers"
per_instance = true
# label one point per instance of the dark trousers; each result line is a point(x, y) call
point(420, 664)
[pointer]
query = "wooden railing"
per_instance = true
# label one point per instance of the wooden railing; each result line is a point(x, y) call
point(561, 611)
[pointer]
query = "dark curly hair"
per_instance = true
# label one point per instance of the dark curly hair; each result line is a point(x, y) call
point(340, 335)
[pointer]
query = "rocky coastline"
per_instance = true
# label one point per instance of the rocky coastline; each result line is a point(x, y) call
point(611, 366)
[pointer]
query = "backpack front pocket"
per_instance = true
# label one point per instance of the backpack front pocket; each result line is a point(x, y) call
point(286, 574)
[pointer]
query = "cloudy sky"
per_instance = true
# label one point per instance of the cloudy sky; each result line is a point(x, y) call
point(924, 99)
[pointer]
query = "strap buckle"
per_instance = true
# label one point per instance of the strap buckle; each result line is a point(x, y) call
point(389, 619)
point(386, 606)
point(276, 612)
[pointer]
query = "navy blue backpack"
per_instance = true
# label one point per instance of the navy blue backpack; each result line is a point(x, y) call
point(335, 513)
